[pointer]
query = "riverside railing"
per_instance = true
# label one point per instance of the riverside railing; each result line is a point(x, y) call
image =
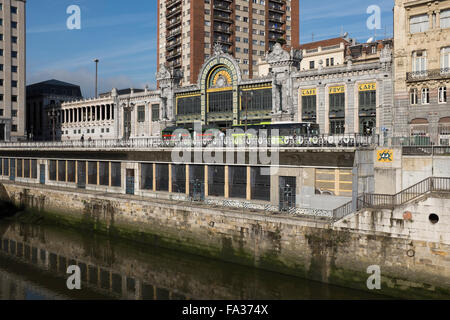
point(320, 141)
point(386, 201)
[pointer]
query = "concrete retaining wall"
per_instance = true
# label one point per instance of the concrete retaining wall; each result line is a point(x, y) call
point(307, 248)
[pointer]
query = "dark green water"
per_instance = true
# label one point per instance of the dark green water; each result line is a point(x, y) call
point(34, 260)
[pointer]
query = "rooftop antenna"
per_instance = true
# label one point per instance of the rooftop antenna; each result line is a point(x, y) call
point(342, 31)
point(312, 37)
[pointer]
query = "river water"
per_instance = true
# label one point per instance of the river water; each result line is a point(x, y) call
point(34, 261)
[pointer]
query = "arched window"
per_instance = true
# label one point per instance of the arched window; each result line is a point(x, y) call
point(425, 98)
point(442, 94)
point(419, 127)
point(413, 96)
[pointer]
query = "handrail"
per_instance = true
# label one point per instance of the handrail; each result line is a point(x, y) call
point(386, 201)
point(323, 141)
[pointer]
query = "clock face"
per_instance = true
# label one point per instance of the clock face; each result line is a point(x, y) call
point(221, 82)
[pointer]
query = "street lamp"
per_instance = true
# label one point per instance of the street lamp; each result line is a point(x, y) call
point(96, 77)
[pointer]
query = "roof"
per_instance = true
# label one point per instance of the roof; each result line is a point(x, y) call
point(323, 43)
point(122, 92)
point(54, 82)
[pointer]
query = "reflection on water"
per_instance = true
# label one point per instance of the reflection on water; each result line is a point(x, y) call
point(34, 260)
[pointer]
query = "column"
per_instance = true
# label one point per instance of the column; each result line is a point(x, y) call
point(154, 177)
point(187, 180)
point(110, 176)
point(249, 184)
point(170, 177)
point(206, 181)
point(226, 187)
point(76, 171)
point(98, 173)
point(337, 182)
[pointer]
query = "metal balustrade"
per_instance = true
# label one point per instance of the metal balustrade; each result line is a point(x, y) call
point(322, 141)
point(386, 201)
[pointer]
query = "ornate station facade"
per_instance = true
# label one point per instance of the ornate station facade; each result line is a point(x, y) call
point(355, 97)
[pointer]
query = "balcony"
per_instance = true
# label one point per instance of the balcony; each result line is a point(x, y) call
point(172, 3)
point(276, 8)
point(222, 17)
point(173, 12)
point(223, 29)
point(223, 40)
point(173, 23)
point(435, 74)
point(276, 18)
point(276, 29)
point(222, 7)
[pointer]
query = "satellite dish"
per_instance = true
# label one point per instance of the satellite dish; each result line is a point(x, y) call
point(370, 40)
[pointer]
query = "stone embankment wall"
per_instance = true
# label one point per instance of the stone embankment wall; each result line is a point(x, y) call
point(313, 249)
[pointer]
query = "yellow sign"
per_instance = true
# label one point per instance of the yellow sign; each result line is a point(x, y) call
point(367, 87)
point(309, 92)
point(338, 89)
point(386, 156)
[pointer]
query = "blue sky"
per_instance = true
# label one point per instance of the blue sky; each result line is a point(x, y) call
point(122, 34)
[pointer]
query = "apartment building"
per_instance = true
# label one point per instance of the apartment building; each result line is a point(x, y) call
point(422, 69)
point(246, 29)
point(12, 69)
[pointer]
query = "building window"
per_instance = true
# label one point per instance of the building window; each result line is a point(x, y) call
point(309, 105)
point(425, 96)
point(337, 110)
point(14, 84)
point(445, 18)
point(13, 68)
point(445, 59)
point(155, 112)
point(419, 23)
point(14, 39)
point(141, 113)
point(13, 24)
point(14, 98)
point(419, 61)
point(413, 96)
point(311, 64)
point(442, 94)
point(14, 128)
point(14, 10)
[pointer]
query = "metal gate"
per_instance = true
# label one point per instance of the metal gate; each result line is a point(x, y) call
point(42, 174)
point(288, 185)
point(12, 169)
point(198, 190)
point(130, 181)
point(81, 178)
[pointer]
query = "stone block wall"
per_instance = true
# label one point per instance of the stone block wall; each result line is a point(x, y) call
point(313, 249)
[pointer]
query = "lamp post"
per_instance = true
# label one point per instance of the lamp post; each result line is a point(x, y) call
point(96, 77)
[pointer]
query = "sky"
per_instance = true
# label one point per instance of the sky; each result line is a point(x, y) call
point(123, 35)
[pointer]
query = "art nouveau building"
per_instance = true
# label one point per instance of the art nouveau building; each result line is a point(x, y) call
point(354, 97)
point(422, 69)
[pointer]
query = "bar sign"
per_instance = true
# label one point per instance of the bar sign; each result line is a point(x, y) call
point(309, 92)
point(368, 87)
point(338, 89)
